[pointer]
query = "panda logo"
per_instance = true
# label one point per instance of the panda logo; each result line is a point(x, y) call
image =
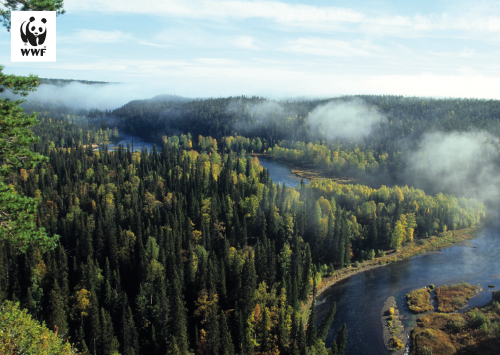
point(34, 31)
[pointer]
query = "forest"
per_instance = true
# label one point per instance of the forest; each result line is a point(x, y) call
point(371, 139)
point(191, 248)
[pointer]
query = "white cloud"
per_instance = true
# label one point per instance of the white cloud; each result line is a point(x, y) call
point(327, 18)
point(291, 14)
point(222, 76)
point(245, 42)
point(331, 48)
point(279, 11)
point(153, 45)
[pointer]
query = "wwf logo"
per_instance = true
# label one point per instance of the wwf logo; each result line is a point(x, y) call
point(34, 31)
point(33, 38)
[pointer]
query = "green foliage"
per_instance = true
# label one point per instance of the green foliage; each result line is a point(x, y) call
point(28, 5)
point(457, 324)
point(326, 322)
point(20, 334)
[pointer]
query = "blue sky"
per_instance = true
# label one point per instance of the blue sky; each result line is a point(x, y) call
point(207, 48)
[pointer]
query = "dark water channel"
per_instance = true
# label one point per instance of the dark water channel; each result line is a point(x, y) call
point(138, 143)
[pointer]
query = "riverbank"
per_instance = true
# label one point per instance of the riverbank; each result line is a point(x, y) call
point(310, 171)
point(418, 247)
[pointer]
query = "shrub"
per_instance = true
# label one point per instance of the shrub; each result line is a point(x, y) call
point(371, 254)
point(418, 301)
point(484, 327)
point(323, 269)
point(396, 343)
point(428, 333)
point(457, 324)
point(381, 253)
point(477, 319)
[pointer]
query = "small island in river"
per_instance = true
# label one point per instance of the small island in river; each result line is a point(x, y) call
point(475, 331)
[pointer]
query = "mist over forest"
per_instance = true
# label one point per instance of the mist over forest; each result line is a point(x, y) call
point(439, 145)
point(191, 246)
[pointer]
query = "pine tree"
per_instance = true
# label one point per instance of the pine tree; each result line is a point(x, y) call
point(17, 212)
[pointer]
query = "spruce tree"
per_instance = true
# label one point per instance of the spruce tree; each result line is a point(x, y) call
point(341, 340)
point(327, 322)
point(312, 332)
point(57, 315)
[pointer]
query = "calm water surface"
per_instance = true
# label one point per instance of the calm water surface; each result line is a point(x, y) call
point(138, 143)
point(361, 297)
point(280, 173)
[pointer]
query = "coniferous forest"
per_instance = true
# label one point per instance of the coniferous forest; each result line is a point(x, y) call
point(190, 247)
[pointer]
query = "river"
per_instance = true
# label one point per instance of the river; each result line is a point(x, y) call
point(280, 173)
point(360, 298)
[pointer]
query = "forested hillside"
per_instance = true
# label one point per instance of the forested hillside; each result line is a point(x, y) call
point(377, 140)
point(194, 248)
point(273, 121)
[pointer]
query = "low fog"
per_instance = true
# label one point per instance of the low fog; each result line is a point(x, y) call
point(461, 163)
point(352, 119)
point(261, 112)
point(89, 96)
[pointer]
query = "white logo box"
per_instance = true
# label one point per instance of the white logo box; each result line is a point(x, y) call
point(33, 36)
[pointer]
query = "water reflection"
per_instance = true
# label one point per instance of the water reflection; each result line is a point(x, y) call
point(280, 173)
point(137, 142)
